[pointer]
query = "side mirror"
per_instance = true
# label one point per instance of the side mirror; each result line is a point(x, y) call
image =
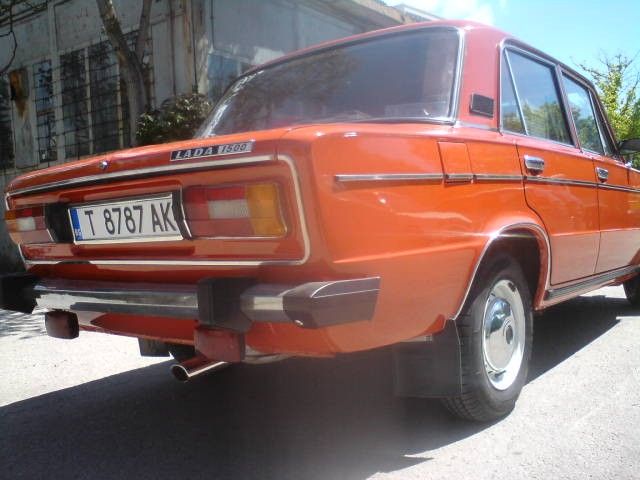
point(629, 146)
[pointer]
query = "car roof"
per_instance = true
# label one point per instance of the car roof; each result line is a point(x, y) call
point(457, 24)
point(479, 30)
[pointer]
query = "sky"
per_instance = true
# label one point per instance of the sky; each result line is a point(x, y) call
point(573, 31)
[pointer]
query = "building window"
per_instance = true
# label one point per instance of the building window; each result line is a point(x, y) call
point(74, 104)
point(104, 83)
point(222, 71)
point(45, 113)
point(6, 134)
point(92, 101)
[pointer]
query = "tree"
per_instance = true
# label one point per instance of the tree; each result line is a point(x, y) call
point(178, 118)
point(618, 85)
point(130, 61)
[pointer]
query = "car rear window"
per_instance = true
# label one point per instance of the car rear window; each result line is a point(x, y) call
point(403, 76)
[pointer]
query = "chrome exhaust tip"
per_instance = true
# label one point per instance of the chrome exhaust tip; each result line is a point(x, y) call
point(194, 367)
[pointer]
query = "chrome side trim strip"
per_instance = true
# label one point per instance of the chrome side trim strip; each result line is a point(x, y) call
point(580, 183)
point(619, 188)
point(560, 181)
point(479, 126)
point(425, 177)
point(213, 263)
point(590, 283)
point(142, 172)
point(389, 177)
point(482, 177)
point(458, 177)
point(493, 237)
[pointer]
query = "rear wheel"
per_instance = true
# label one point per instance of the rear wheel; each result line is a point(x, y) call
point(495, 330)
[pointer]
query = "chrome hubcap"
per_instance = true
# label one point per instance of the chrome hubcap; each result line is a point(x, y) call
point(503, 329)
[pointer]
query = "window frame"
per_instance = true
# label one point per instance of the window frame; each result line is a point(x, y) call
point(538, 57)
point(602, 122)
point(49, 113)
point(604, 126)
point(580, 83)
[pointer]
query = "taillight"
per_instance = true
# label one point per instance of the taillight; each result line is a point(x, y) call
point(252, 210)
point(27, 225)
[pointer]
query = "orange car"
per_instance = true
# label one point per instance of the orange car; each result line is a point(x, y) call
point(427, 187)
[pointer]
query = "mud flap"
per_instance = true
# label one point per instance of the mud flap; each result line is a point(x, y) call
point(14, 292)
point(429, 368)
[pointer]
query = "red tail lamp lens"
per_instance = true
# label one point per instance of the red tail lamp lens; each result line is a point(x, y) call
point(27, 225)
point(252, 210)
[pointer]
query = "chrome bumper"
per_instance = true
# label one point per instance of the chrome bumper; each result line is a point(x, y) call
point(225, 303)
point(111, 297)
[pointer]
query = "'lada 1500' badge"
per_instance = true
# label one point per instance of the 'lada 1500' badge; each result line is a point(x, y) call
point(211, 151)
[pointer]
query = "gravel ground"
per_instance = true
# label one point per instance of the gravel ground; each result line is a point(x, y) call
point(92, 408)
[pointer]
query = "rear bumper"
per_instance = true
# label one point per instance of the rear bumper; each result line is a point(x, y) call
point(232, 304)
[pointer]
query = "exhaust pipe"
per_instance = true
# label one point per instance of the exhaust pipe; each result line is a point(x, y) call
point(194, 367)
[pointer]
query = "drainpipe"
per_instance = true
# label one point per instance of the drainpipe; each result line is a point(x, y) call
point(172, 19)
point(193, 48)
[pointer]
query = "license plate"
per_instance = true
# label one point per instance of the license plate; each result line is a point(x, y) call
point(141, 219)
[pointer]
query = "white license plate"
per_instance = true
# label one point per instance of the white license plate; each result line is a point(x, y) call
point(142, 219)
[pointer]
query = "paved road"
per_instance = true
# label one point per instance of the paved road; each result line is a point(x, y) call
point(91, 408)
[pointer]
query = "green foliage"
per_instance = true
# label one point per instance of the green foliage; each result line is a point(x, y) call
point(618, 84)
point(178, 118)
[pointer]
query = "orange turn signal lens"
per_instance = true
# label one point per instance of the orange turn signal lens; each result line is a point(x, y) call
point(264, 209)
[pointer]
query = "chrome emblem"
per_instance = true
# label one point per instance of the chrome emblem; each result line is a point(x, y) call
point(103, 165)
point(212, 151)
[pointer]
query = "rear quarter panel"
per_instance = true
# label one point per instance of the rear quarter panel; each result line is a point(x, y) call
point(423, 238)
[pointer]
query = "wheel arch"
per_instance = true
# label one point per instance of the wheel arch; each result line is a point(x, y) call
point(529, 244)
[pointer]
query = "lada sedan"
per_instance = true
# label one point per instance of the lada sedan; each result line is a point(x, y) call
point(427, 187)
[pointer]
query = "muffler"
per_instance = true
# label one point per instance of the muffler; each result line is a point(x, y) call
point(194, 367)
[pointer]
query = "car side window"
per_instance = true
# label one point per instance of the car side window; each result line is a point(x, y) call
point(583, 115)
point(509, 110)
point(538, 98)
point(604, 134)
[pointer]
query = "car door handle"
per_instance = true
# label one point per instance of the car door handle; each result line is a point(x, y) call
point(603, 174)
point(534, 164)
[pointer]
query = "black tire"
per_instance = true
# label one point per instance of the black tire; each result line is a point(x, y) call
point(181, 352)
point(632, 291)
point(488, 394)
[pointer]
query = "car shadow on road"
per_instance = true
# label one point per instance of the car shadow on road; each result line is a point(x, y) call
point(564, 329)
point(299, 419)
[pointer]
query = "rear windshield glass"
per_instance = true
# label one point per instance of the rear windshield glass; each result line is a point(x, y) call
point(405, 76)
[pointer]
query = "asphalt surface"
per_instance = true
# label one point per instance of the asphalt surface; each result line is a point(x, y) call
point(92, 408)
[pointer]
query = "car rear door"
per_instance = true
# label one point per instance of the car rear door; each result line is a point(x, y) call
point(619, 215)
point(560, 182)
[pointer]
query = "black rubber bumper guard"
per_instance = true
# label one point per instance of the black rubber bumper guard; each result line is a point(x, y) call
point(230, 304)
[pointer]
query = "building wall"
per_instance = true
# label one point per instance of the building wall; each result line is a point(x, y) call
point(65, 83)
point(242, 33)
